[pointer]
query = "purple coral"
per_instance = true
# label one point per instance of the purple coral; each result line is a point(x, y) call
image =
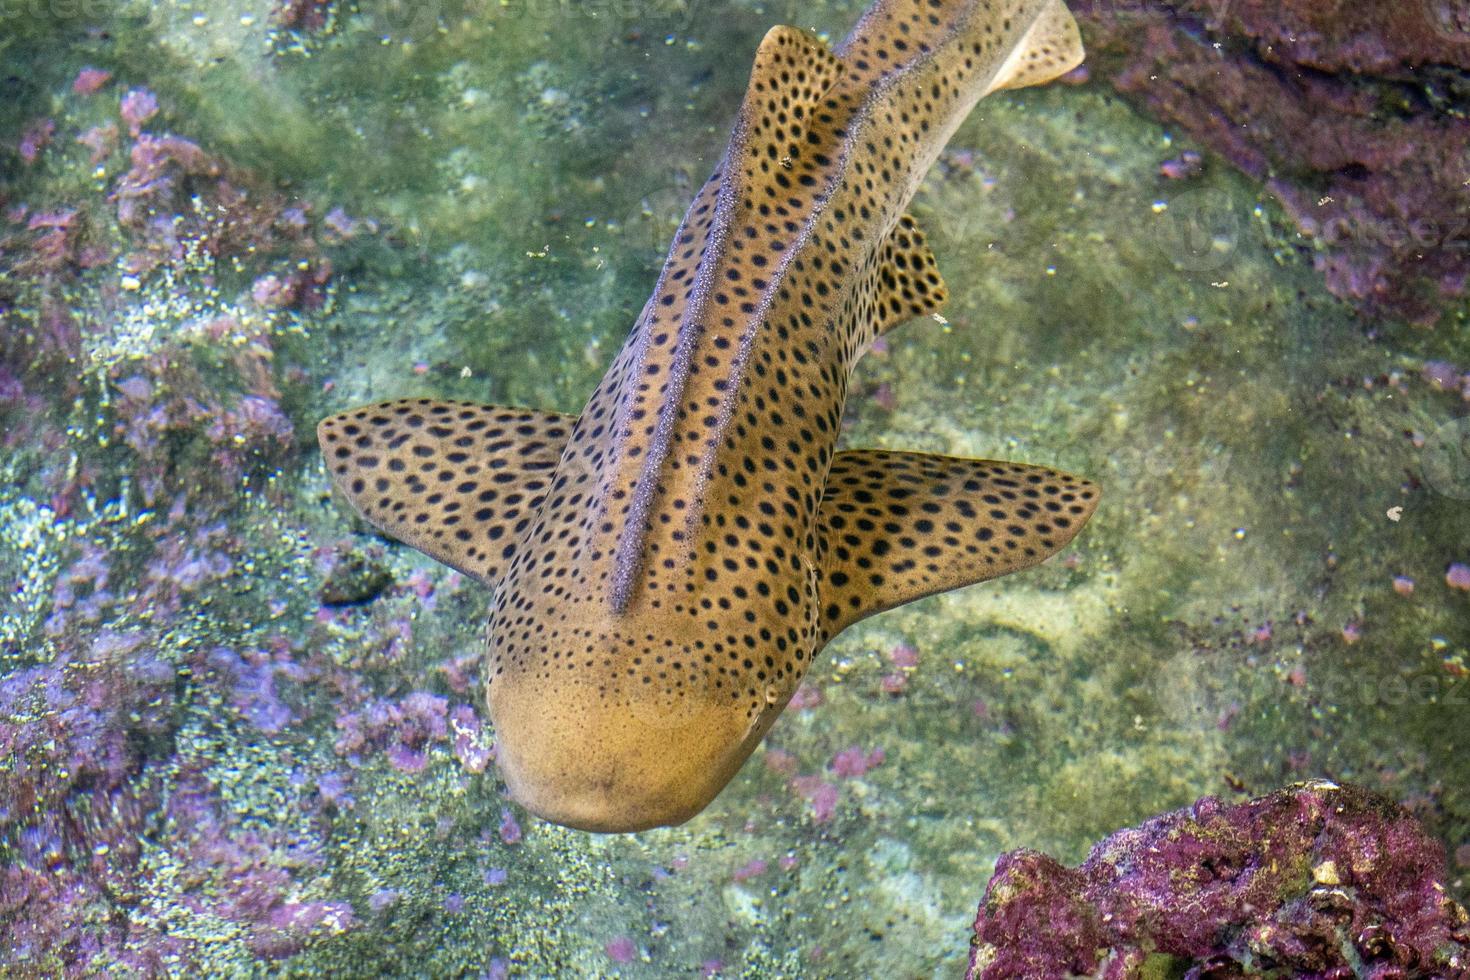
point(90, 80)
point(406, 730)
point(93, 774)
point(1315, 880)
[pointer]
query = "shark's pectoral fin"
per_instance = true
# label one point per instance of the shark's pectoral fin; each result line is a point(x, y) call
point(894, 527)
point(456, 480)
point(906, 281)
point(1051, 48)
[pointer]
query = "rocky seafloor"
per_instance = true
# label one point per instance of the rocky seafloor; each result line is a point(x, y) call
point(239, 733)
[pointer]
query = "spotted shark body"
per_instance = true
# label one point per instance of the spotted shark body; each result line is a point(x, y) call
point(667, 564)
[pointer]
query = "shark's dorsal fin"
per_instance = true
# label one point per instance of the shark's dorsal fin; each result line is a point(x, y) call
point(456, 480)
point(894, 527)
point(792, 71)
point(906, 282)
point(1051, 48)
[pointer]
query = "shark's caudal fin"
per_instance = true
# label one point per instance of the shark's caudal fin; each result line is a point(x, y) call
point(894, 527)
point(456, 480)
point(1051, 48)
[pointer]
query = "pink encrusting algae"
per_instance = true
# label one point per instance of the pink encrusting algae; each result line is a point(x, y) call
point(138, 106)
point(1324, 880)
point(621, 949)
point(751, 869)
point(1289, 93)
point(196, 417)
point(90, 81)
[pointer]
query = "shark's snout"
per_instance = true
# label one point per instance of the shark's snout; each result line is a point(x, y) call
point(613, 764)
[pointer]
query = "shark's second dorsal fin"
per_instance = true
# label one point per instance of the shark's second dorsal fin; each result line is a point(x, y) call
point(792, 72)
point(906, 281)
point(894, 527)
point(456, 480)
point(1051, 48)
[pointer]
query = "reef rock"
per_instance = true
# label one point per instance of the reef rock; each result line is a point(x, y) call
point(1347, 112)
point(1314, 880)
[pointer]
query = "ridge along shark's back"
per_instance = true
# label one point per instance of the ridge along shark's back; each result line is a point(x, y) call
point(667, 564)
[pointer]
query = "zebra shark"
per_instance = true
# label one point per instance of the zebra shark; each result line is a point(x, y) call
point(667, 564)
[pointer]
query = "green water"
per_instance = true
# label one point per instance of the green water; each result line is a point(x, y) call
point(523, 167)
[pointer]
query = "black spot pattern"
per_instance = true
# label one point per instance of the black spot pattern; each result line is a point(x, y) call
point(905, 283)
point(458, 481)
point(697, 335)
point(677, 559)
point(899, 526)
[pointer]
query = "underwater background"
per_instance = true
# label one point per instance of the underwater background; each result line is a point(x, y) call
point(1221, 270)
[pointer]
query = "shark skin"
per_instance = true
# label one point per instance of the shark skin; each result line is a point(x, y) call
point(667, 564)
